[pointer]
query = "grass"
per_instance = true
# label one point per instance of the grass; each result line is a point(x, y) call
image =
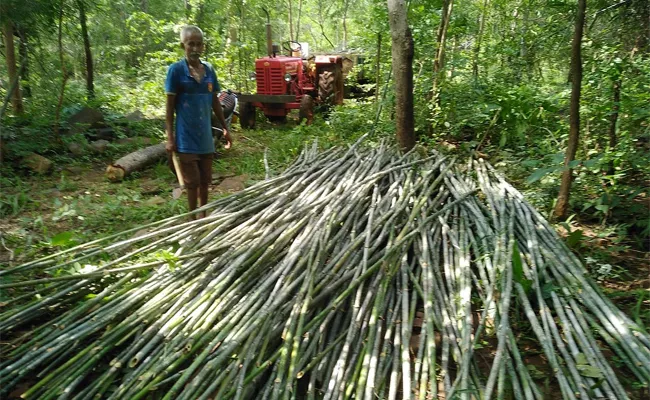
point(75, 201)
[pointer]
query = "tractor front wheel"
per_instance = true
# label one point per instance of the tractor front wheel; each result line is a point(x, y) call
point(326, 86)
point(247, 115)
point(306, 111)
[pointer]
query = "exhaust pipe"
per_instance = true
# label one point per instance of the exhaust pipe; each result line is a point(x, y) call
point(269, 40)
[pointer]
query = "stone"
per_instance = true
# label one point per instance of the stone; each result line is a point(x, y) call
point(37, 163)
point(155, 201)
point(84, 119)
point(234, 184)
point(103, 133)
point(135, 116)
point(74, 170)
point(99, 146)
point(75, 148)
point(126, 140)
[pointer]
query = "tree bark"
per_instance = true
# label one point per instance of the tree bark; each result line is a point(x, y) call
point(24, 63)
point(90, 83)
point(439, 61)
point(298, 20)
point(613, 121)
point(346, 4)
point(64, 72)
point(479, 39)
point(562, 205)
point(10, 56)
point(290, 21)
point(378, 70)
point(136, 161)
point(402, 55)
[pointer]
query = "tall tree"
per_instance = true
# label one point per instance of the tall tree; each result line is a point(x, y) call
point(439, 60)
point(298, 19)
point(90, 85)
point(291, 20)
point(562, 205)
point(64, 71)
point(346, 5)
point(479, 38)
point(10, 58)
point(24, 62)
point(402, 55)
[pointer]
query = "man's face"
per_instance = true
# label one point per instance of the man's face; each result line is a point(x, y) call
point(193, 46)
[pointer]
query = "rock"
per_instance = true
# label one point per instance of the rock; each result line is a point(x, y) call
point(103, 133)
point(84, 119)
point(234, 184)
point(37, 163)
point(99, 146)
point(449, 146)
point(74, 170)
point(139, 140)
point(155, 201)
point(219, 176)
point(76, 148)
point(126, 140)
point(135, 116)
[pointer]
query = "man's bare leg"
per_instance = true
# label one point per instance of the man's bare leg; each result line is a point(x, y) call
point(192, 195)
point(203, 198)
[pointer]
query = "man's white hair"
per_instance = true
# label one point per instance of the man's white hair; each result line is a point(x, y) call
point(188, 30)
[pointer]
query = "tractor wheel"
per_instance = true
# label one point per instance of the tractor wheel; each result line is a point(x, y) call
point(278, 119)
point(306, 109)
point(326, 86)
point(247, 115)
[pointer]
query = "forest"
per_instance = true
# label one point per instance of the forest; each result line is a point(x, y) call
point(532, 114)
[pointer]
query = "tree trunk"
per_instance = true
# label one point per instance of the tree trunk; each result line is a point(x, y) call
point(378, 70)
point(613, 120)
point(90, 85)
point(136, 161)
point(290, 20)
point(479, 39)
point(454, 46)
point(346, 4)
point(64, 72)
point(298, 20)
point(642, 41)
point(562, 205)
point(402, 54)
point(24, 65)
point(10, 56)
point(438, 62)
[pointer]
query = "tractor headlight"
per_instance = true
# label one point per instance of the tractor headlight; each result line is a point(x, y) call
point(252, 76)
point(287, 77)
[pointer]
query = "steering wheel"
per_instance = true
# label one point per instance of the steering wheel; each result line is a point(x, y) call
point(287, 46)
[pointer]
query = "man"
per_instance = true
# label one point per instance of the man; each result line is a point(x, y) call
point(192, 94)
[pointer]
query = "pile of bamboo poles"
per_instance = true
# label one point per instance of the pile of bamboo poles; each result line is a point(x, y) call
point(309, 285)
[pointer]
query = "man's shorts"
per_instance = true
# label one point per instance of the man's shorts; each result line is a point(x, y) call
point(195, 168)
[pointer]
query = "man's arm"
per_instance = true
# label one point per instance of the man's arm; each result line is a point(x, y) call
point(218, 110)
point(169, 120)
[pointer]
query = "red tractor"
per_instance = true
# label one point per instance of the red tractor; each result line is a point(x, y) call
point(286, 83)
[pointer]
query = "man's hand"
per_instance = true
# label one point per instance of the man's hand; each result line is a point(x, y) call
point(226, 135)
point(170, 146)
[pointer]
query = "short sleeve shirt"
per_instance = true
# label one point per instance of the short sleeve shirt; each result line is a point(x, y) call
point(193, 107)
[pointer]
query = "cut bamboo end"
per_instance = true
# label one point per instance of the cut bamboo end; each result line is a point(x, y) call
point(115, 173)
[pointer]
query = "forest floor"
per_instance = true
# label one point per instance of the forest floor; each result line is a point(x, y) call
point(75, 203)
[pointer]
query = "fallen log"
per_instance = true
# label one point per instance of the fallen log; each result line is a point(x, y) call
point(136, 161)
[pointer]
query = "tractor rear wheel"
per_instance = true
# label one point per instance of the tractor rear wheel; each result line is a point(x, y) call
point(247, 113)
point(326, 86)
point(306, 111)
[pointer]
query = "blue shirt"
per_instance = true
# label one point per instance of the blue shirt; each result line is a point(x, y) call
point(193, 107)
